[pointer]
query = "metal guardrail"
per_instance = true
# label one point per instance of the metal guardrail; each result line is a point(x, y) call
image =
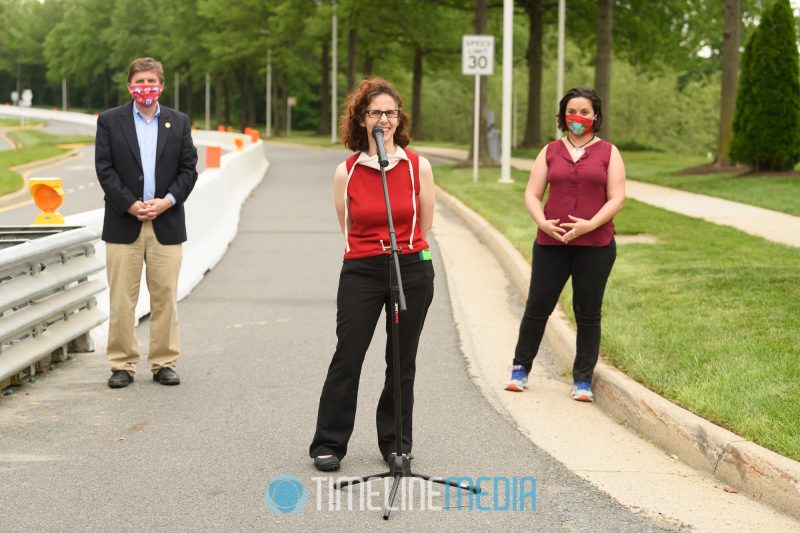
point(47, 301)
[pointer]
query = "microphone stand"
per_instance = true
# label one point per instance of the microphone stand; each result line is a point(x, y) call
point(401, 466)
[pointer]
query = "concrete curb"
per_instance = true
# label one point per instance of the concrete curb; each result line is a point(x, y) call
point(27, 168)
point(760, 473)
point(35, 165)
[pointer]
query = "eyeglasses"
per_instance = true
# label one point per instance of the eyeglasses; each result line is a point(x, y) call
point(391, 114)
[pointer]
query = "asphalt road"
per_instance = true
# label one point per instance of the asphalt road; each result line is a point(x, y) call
point(258, 334)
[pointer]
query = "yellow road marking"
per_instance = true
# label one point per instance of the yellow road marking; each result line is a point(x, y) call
point(15, 206)
point(24, 189)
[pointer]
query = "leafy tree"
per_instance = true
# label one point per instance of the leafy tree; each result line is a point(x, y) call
point(602, 65)
point(182, 51)
point(766, 127)
point(21, 41)
point(308, 37)
point(481, 20)
point(74, 51)
point(237, 40)
point(535, 10)
point(441, 38)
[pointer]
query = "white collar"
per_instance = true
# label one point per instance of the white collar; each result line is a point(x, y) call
point(371, 161)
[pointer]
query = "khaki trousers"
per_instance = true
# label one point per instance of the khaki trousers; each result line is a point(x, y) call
point(124, 268)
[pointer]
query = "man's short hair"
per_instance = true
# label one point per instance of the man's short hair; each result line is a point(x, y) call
point(144, 64)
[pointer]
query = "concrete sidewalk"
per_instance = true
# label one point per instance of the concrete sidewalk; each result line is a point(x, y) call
point(770, 225)
point(761, 473)
point(487, 304)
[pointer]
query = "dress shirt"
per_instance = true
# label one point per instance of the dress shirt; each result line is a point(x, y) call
point(147, 135)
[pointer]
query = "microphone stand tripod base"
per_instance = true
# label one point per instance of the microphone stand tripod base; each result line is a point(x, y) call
point(400, 468)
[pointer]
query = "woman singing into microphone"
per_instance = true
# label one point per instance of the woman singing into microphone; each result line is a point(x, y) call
point(364, 280)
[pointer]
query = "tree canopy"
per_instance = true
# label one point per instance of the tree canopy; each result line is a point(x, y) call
point(667, 50)
point(766, 127)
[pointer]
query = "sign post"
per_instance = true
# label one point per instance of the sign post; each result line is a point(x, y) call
point(477, 59)
point(291, 101)
point(508, 49)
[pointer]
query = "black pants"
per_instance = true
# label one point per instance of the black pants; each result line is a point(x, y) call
point(363, 294)
point(589, 267)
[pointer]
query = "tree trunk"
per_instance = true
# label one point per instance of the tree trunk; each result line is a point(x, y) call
point(325, 91)
point(280, 112)
point(189, 97)
point(89, 96)
point(369, 63)
point(352, 51)
point(241, 82)
point(533, 123)
point(251, 100)
point(602, 70)
point(218, 103)
point(226, 101)
point(730, 70)
point(106, 103)
point(19, 80)
point(416, 95)
point(481, 18)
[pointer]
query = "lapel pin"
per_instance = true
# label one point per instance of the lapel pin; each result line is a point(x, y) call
point(167, 125)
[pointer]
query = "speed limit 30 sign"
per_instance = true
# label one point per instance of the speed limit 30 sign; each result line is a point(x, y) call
point(477, 55)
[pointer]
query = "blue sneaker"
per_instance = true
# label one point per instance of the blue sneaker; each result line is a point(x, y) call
point(582, 391)
point(519, 379)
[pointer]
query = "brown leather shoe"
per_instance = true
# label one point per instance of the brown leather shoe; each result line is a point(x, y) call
point(120, 379)
point(167, 376)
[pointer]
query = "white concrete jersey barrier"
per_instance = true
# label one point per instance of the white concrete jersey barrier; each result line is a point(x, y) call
point(201, 137)
point(47, 301)
point(47, 114)
point(212, 210)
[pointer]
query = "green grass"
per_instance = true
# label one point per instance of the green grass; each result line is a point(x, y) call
point(6, 122)
point(707, 318)
point(36, 145)
point(778, 193)
point(439, 144)
point(36, 137)
point(307, 138)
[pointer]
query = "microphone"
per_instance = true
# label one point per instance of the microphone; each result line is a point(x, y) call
point(377, 134)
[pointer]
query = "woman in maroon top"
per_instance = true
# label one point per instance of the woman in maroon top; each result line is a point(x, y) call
point(586, 176)
point(364, 281)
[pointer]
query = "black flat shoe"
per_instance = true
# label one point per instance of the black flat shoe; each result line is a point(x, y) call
point(120, 379)
point(167, 376)
point(327, 464)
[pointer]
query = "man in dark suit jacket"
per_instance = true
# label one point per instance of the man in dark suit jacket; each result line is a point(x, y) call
point(146, 164)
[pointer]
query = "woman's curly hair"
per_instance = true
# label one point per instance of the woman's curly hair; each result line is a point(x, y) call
point(351, 123)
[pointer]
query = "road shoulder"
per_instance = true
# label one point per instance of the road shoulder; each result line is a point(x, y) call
point(634, 471)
